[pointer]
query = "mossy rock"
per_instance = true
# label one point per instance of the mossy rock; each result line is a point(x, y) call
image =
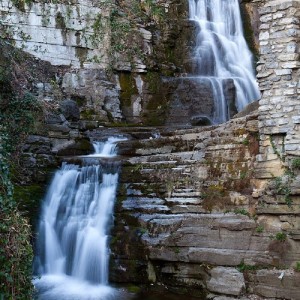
point(128, 88)
point(29, 199)
point(80, 146)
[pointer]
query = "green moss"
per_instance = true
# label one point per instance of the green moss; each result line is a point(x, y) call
point(245, 142)
point(241, 211)
point(248, 31)
point(88, 114)
point(153, 81)
point(244, 267)
point(259, 229)
point(81, 54)
point(81, 101)
point(20, 4)
point(60, 21)
point(295, 163)
point(128, 88)
point(29, 199)
point(154, 118)
point(297, 266)
point(84, 144)
point(133, 289)
point(280, 236)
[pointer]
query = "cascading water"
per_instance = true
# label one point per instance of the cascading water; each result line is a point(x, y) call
point(221, 53)
point(72, 253)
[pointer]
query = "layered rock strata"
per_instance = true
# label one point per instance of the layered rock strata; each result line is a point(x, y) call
point(187, 216)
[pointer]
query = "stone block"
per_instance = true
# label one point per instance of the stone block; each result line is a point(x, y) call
point(228, 281)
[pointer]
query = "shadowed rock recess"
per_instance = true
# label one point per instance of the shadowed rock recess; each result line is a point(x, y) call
point(210, 211)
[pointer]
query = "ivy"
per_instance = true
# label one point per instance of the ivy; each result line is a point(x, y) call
point(15, 249)
point(17, 115)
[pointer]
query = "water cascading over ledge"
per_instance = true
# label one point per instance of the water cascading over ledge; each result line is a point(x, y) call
point(72, 252)
point(219, 79)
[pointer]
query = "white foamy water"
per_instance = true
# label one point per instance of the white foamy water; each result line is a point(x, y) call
point(108, 148)
point(221, 53)
point(72, 251)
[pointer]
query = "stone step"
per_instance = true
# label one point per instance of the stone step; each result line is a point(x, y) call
point(185, 201)
point(185, 192)
point(143, 204)
point(211, 256)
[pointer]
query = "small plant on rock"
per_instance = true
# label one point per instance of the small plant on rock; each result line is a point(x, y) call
point(295, 164)
point(241, 211)
point(297, 267)
point(280, 236)
point(279, 244)
point(259, 229)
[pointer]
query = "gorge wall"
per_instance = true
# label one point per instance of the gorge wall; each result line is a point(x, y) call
point(211, 211)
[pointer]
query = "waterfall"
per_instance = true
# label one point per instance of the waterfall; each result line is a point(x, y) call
point(72, 252)
point(221, 53)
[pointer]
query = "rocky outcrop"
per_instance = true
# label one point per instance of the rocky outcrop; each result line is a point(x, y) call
point(131, 41)
point(60, 32)
point(188, 215)
point(185, 207)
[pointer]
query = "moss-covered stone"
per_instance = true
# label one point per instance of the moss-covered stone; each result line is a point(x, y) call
point(128, 88)
point(250, 20)
point(29, 198)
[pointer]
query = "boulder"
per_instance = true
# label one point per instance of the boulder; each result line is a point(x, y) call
point(200, 121)
point(228, 281)
point(70, 110)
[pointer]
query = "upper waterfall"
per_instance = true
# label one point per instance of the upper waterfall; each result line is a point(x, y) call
point(221, 53)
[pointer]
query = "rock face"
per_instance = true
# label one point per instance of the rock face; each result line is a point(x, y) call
point(60, 33)
point(173, 195)
point(188, 212)
point(132, 40)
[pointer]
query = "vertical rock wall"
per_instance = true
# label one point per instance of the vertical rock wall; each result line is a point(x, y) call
point(60, 32)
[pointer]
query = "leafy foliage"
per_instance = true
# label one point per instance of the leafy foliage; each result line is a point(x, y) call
point(15, 256)
point(17, 115)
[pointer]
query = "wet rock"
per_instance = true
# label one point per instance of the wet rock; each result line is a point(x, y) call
point(63, 129)
point(250, 108)
point(230, 97)
point(70, 110)
point(200, 121)
point(73, 147)
point(52, 118)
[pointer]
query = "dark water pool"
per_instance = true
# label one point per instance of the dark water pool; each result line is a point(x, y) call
point(163, 296)
point(60, 287)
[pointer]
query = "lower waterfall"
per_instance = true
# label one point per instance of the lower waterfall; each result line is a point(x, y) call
point(72, 245)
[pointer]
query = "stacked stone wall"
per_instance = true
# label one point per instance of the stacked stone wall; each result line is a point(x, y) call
point(278, 76)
